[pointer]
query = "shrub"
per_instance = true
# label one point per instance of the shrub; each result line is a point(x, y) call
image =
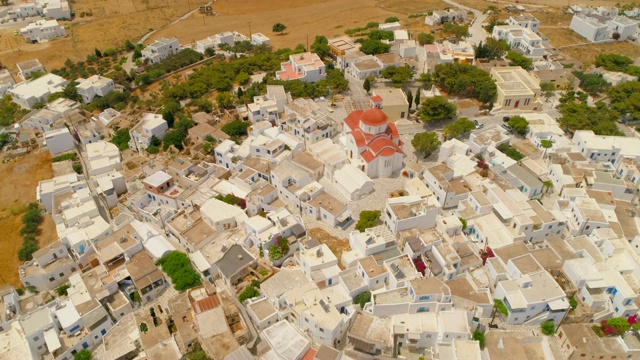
point(548, 327)
point(248, 293)
point(70, 156)
point(236, 128)
point(479, 336)
point(177, 265)
point(62, 290)
point(368, 219)
point(279, 250)
point(573, 303)
point(121, 139)
point(511, 152)
point(362, 299)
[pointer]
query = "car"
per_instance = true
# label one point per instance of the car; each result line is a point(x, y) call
point(506, 118)
point(508, 128)
point(479, 125)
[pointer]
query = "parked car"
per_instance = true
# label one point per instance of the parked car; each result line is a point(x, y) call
point(479, 125)
point(506, 118)
point(508, 128)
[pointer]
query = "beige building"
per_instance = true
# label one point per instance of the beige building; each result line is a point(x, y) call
point(392, 101)
point(516, 89)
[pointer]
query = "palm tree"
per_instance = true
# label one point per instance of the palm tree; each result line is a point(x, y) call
point(498, 307)
point(547, 185)
point(546, 144)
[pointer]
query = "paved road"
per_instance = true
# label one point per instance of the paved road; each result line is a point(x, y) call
point(476, 30)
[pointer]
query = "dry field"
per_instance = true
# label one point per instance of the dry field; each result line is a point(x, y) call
point(112, 22)
point(483, 4)
point(337, 246)
point(302, 18)
point(587, 53)
point(21, 178)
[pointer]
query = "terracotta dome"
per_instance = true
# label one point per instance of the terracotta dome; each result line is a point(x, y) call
point(374, 117)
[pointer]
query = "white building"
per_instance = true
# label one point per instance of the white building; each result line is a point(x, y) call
point(411, 212)
point(305, 119)
point(6, 81)
point(42, 30)
point(448, 187)
point(28, 93)
point(600, 148)
point(592, 27)
point(520, 38)
point(222, 216)
point(95, 85)
point(352, 183)
point(306, 67)
point(260, 39)
point(149, 126)
point(59, 141)
point(525, 21)
point(268, 106)
point(441, 16)
point(50, 267)
point(27, 67)
point(160, 50)
point(227, 154)
point(56, 9)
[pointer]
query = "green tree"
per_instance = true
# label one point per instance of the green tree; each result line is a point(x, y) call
point(480, 338)
point(426, 79)
point(510, 152)
point(224, 100)
point(457, 128)
point(547, 86)
point(426, 143)
point(618, 326)
point(579, 116)
point(409, 97)
point(62, 289)
point(613, 62)
point(367, 219)
point(573, 303)
point(381, 35)
point(548, 327)
point(4, 139)
point(491, 49)
point(243, 78)
point(437, 108)
point(278, 28)
point(417, 99)
point(516, 59)
point(236, 128)
point(83, 354)
point(424, 38)
point(129, 46)
point(71, 92)
point(362, 299)
point(121, 139)
point(366, 85)
point(465, 80)
point(279, 250)
point(625, 99)
point(592, 83)
point(459, 31)
point(519, 124)
point(97, 52)
point(174, 137)
point(320, 45)
point(373, 47)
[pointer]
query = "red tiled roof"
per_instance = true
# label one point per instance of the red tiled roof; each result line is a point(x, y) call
point(374, 117)
point(379, 145)
point(209, 303)
point(288, 73)
point(310, 354)
point(353, 120)
point(367, 156)
point(376, 98)
point(392, 129)
point(359, 138)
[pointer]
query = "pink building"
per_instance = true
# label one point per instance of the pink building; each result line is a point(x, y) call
point(373, 143)
point(306, 67)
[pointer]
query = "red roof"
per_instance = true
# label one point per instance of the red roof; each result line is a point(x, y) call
point(353, 120)
point(379, 145)
point(374, 117)
point(393, 130)
point(310, 355)
point(359, 138)
point(367, 156)
point(376, 99)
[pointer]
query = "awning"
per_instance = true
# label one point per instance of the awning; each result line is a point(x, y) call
point(344, 216)
point(560, 304)
point(52, 340)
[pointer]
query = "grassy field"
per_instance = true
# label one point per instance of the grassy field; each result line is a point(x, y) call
point(112, 22)
point(23, 176)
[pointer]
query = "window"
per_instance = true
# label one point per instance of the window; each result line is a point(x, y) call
point(36, 338)
point(321, 329)
point(51, 279)
point(61, 274)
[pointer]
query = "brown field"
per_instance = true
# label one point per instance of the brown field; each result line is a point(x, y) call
point(113, 22)
point(483, 4)
point(587, 53)
point(336, 245)
point(21, 178)
point(303, 18)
